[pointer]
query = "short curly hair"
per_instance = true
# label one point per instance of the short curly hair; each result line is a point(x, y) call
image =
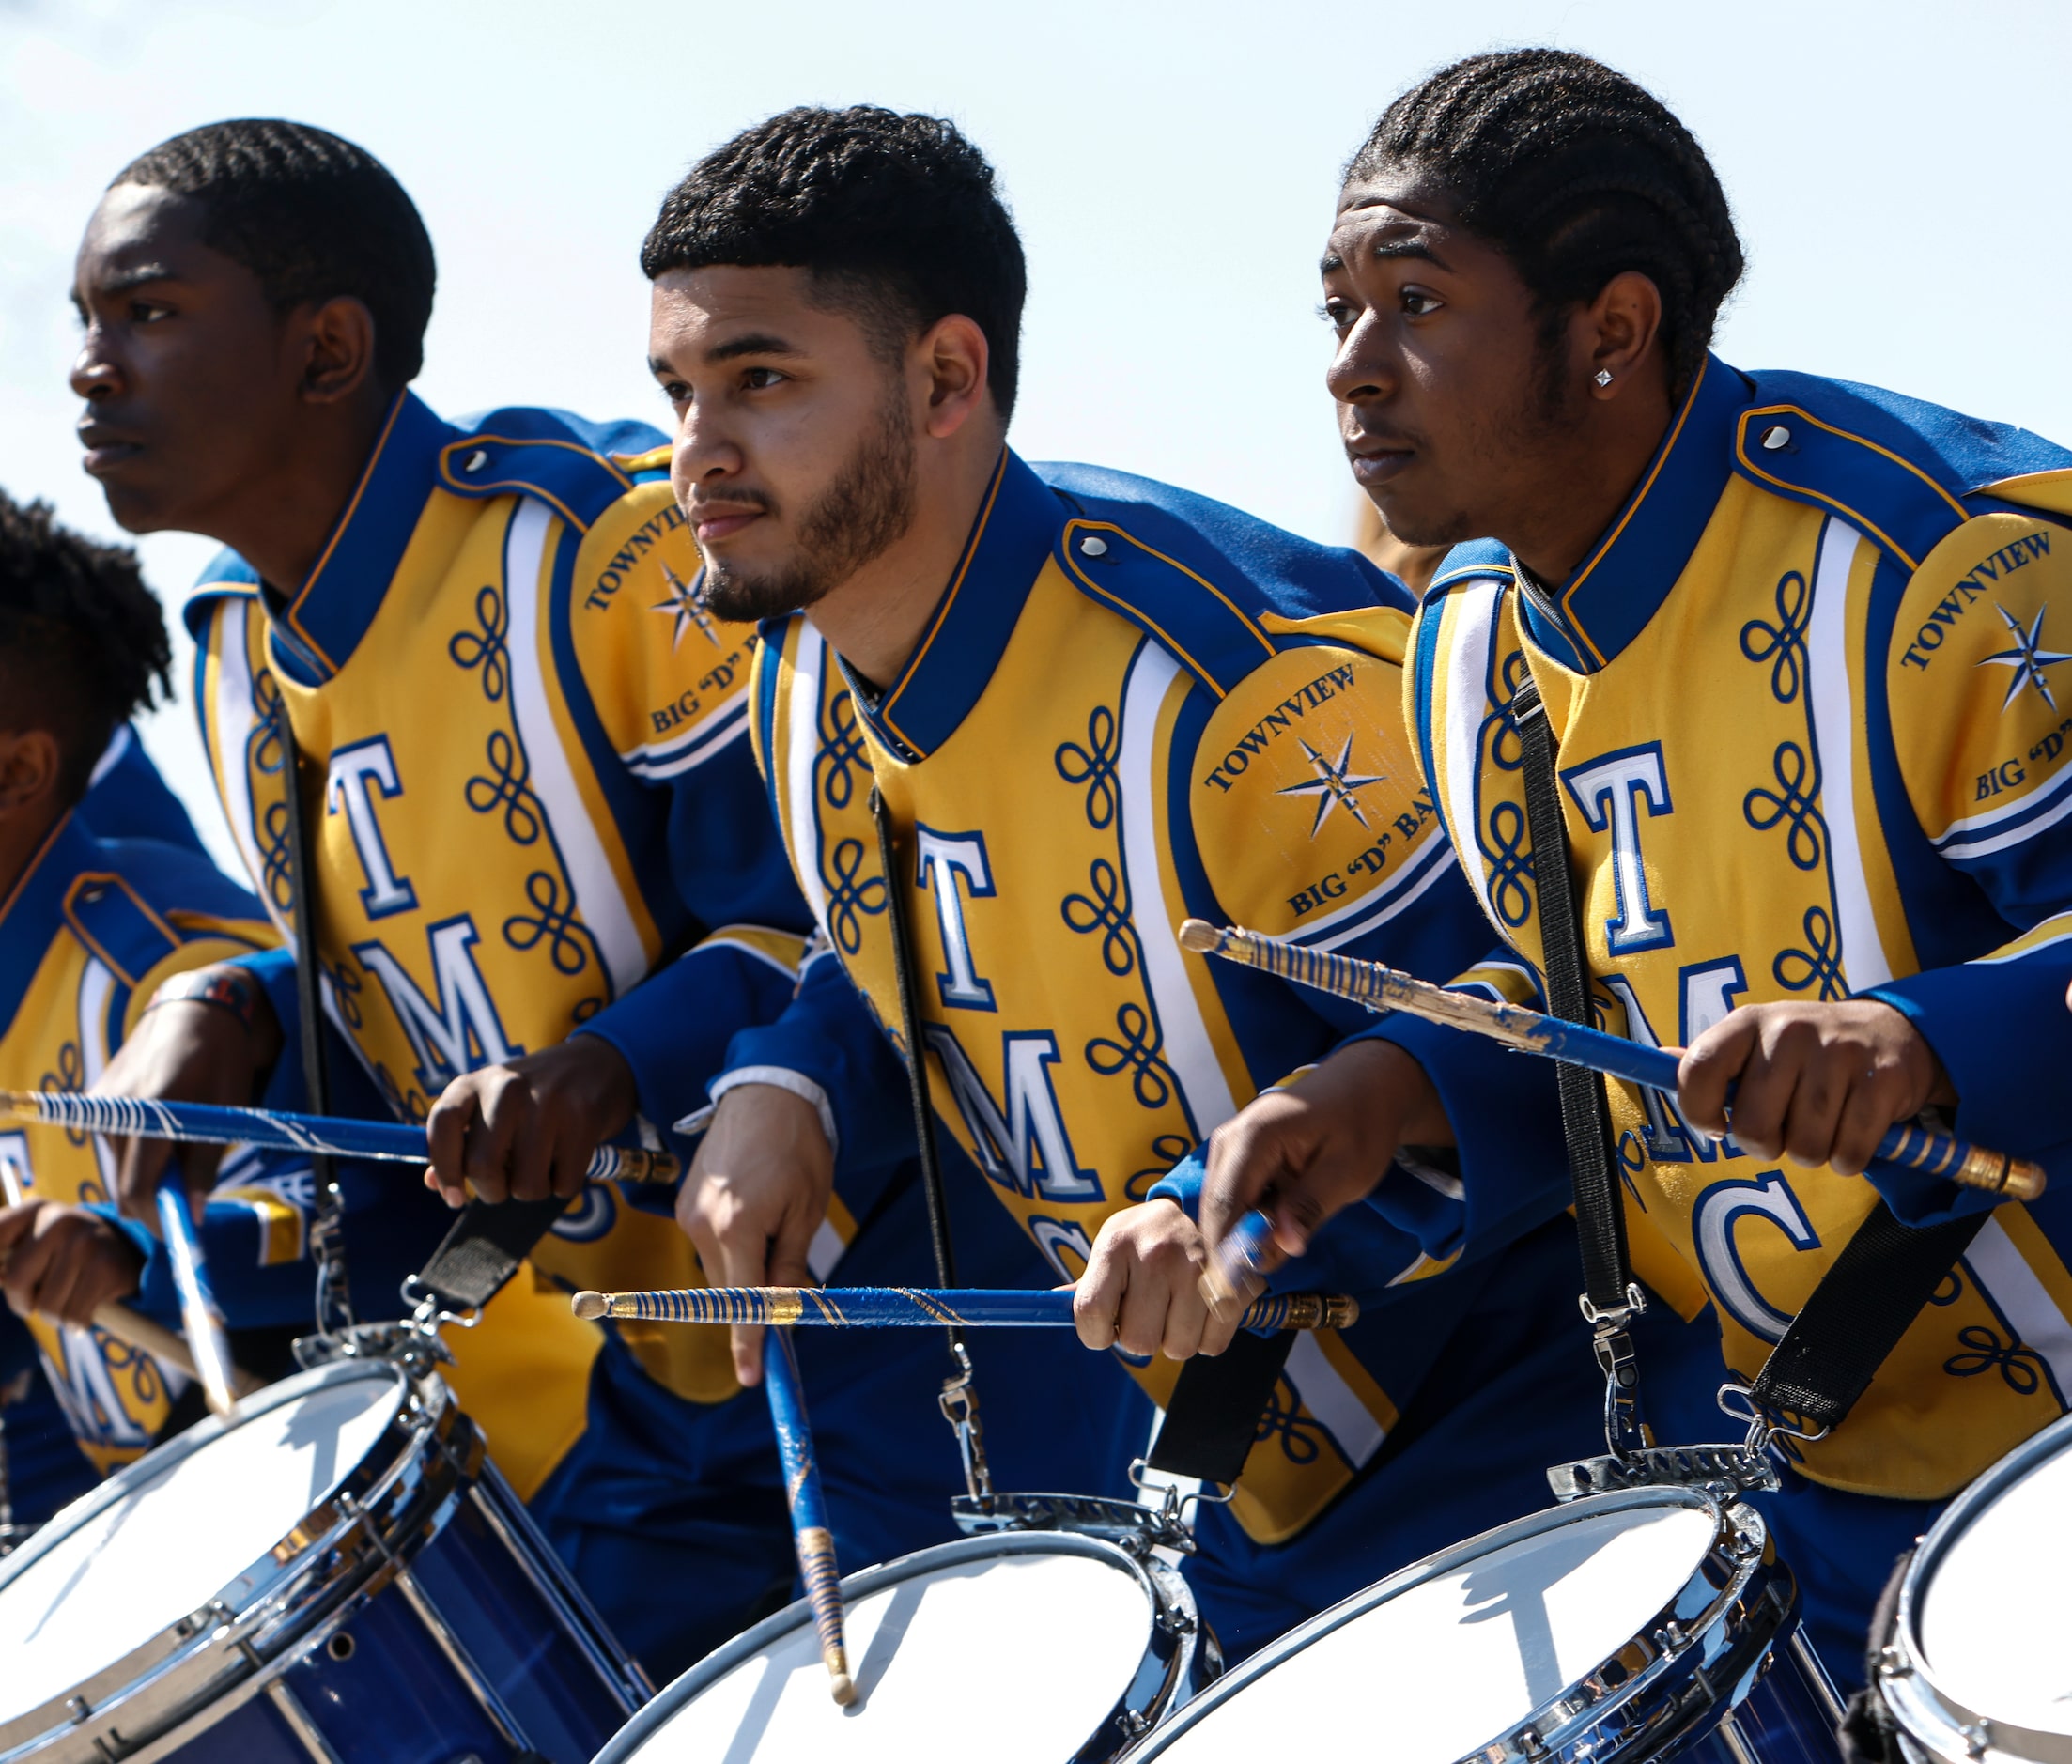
point(83, 643)
point(899, 213)
point(313, 217)
point(1576, 174)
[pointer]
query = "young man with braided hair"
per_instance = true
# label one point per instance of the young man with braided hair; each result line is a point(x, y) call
point(1089, 705)
point(1796, 642)
point(92, 926)
point(546, 890)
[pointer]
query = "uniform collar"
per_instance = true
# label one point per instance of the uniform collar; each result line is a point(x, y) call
point(1017, 524)
point(34, 909)
point(321, 626)
point(1629, 573)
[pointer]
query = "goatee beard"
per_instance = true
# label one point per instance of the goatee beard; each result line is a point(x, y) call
point(862, 514)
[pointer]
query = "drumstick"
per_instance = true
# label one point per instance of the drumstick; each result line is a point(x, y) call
point(336, 1136)
point(207, 1340)
point(132, 1328)
point(1383, 988)
point(815, 1542)
point(915, 1307)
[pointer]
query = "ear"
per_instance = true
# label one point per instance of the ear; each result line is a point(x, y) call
point(954, 355)
point(30, 762)
point(1622, 330)
point(336, 346)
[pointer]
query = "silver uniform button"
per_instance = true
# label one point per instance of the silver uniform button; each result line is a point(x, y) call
point(1093, 545)
point(476, 460)
point(1776, 436)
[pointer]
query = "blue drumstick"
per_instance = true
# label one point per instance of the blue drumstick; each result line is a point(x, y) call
point(200, 1316)
point(809, 1533)
point(336, 1136)
point(1383, 988)
point(915, 1307)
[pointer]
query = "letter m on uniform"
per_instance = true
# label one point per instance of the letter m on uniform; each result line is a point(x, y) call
point(1024, 1147)
point(455, 1030)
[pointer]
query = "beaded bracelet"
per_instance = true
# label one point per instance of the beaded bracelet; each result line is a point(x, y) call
point(224, 987)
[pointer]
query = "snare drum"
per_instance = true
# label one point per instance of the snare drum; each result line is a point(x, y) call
point(1620, 1626)
point(332, 1572)
point(1977, 1666)
point(1017, 1648)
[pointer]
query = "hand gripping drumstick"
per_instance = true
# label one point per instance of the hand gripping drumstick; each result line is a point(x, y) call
point(130, 1327)
point(916, 1306)
point(1382, 988)
point(336, 1136)
point(815, 1542)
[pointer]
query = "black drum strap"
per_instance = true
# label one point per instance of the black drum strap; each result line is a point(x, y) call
point(1886, 1273)
point(960, 1395)
point(1212, 1418)
point(327, 1236)
point(1611, 1299)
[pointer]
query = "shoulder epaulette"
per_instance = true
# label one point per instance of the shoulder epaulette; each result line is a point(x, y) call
point(226, 574)
point(543, 454)
point(1896, 468)
point(1199, 577)
point(108, 915)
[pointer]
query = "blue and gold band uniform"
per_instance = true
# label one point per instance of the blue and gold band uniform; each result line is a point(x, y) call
point(125, 799)
point(535, 814)
point(87, 933)
point(1813, 733)
point(1131, 704)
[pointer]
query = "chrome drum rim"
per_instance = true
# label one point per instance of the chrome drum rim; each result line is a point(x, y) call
point(201, 1663)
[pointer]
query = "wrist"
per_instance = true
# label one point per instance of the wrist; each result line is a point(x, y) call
point(1398, 1101)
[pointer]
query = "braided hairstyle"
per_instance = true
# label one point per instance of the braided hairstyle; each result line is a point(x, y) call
point(1576, 174)
point(313, 217)
point(83, 644)
point(897, 216)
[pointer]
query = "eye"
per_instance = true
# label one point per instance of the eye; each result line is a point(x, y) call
point(1418, 303)
point(148, 312)
point(1337, 314)
point(674, 391)
point(761, 378)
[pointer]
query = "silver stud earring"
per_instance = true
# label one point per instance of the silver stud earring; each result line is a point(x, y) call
point(1605, 377)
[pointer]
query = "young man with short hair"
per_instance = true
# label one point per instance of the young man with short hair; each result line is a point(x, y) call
point(1796, 644)
point(546, 890)
point(1089, 705)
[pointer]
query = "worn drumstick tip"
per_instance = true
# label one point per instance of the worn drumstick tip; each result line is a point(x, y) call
point(590, 1306)
point(1200, 935)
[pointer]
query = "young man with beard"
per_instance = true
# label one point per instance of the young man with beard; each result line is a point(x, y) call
point(546, 890)
point(1795, 641)
point(1089, 705)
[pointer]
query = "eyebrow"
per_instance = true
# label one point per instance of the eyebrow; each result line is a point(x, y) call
point(123, 281)
point(1409, 248)
point(755, 343)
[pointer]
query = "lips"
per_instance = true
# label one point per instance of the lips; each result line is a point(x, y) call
point(107, 450)
point(708, 529)
point(1376, 461)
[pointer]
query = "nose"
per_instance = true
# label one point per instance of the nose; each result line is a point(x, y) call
point(703, 453)
point(94, 377)
point(1361, 368)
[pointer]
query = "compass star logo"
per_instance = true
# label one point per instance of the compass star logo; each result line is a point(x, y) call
point(686, 603)
point(1333, 784)
point(2027, 658)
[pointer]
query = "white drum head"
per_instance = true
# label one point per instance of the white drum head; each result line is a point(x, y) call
point(1439, 1670)
point(106, 1581)
point(1009, 1657)
point(1991, 1628)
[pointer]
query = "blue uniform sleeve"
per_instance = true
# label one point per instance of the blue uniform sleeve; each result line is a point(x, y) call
point(675, 1029)
point(827, 1045)
point(126, 798)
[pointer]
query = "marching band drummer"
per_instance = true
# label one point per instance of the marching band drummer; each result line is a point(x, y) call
point(1796, 640)
point(547, 888)
point(1092, 703)
point(91, 929)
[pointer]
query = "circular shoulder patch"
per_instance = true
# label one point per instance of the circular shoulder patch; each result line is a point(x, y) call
point(1980, 672)
point(1306, 793)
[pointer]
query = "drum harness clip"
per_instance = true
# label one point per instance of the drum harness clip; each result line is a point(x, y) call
point(1851, 1321)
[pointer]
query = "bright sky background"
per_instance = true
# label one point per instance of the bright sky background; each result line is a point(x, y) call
point(1897, 172)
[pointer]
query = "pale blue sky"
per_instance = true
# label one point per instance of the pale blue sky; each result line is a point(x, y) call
point(1898, 173)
